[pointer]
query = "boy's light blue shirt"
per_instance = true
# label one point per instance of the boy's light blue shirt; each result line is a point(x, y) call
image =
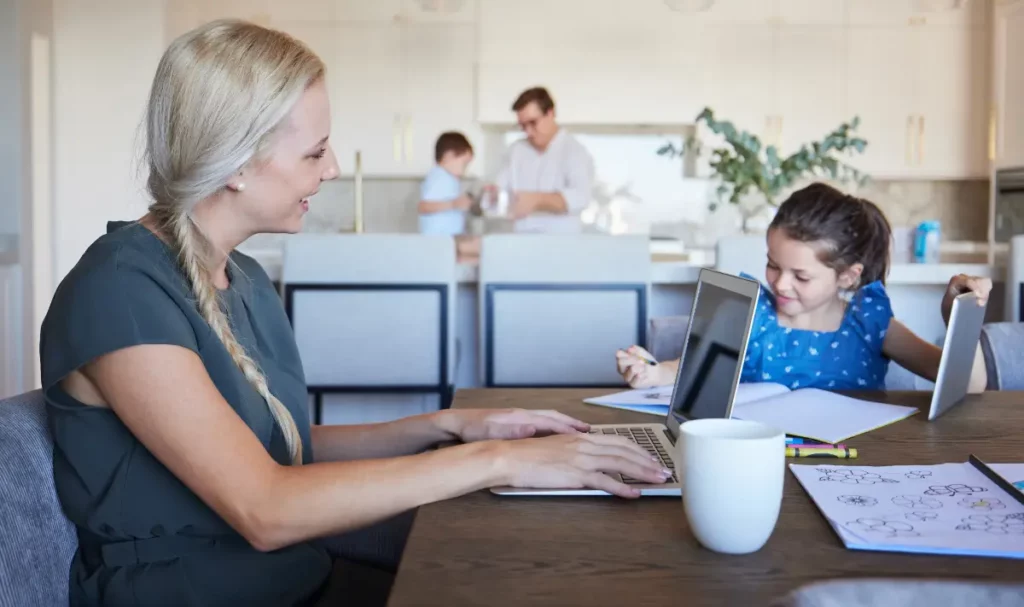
point(441, 186)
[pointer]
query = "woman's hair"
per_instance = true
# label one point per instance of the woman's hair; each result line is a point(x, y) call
point(219, 94)
point(845, 229)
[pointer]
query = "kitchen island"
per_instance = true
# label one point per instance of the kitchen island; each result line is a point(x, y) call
point(915, 289)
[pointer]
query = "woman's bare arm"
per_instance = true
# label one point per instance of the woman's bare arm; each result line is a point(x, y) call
point(165, 397)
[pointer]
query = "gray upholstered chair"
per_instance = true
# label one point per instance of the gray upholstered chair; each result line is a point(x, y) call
point(37, 541)
point(553, 307)
point(1004, 358)
point(903, 593)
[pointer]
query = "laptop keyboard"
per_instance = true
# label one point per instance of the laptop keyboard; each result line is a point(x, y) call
point(648, 439)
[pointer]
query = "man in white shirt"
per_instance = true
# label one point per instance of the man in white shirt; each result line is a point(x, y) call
point(549, 175)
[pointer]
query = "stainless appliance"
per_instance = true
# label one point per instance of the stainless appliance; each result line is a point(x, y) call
point(1009, 203)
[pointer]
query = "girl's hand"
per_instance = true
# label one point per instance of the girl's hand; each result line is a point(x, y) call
point(633, 367)
point(577, 461)
point(962, 283)
point(470, 425)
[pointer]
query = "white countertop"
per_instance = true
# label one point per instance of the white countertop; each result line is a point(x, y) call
point(681, 272)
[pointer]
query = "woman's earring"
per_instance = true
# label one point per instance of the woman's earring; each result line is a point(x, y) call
point(240, 187)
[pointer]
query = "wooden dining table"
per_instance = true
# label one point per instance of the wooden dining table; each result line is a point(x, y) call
point(484, 549)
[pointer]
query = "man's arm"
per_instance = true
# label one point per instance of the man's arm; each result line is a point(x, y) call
point(572, 198)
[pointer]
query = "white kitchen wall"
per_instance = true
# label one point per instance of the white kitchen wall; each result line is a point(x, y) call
point(399, 76)
point(104, 56)
point(11, 118)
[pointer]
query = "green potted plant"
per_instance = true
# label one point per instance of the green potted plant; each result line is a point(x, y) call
point(745, 168)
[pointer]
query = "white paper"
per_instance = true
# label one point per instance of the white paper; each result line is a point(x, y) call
point(651, 400)
point(820, 415)
point(941, 509)
point(750, 392)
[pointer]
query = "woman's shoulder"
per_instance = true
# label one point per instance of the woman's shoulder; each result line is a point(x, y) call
point(127, 253)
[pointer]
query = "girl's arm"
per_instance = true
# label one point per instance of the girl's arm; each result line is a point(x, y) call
point(640, 374)
point(922, 358)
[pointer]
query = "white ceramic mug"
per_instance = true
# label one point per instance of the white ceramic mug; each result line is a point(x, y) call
point(732, 475)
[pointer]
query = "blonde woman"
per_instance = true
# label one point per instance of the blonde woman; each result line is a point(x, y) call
point(183, 449)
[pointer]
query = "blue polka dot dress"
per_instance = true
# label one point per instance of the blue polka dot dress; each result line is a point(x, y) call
point(849, 358)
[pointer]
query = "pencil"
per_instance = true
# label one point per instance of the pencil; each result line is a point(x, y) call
point(653, 363)
point(843, 453)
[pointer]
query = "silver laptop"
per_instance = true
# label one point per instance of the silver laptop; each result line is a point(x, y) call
point(709, 371)
point(958, 351)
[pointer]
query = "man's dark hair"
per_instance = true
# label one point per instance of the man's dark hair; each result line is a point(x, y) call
point(538, 95)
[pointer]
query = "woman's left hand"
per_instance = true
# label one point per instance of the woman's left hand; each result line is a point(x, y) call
point(962, 283)
point(469, 425)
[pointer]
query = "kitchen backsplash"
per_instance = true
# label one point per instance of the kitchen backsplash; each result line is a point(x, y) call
point(390, 206)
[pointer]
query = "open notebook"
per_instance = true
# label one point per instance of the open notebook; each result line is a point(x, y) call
point(808, 412)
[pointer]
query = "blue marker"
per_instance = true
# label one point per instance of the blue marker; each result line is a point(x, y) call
point(794, 441)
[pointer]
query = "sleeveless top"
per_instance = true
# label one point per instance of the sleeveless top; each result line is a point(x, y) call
point(145, 538)
point(849, 358)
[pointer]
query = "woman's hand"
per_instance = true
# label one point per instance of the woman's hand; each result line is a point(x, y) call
point(962, 283)
point(634, 367)
point(578, 461)
point(470, 425)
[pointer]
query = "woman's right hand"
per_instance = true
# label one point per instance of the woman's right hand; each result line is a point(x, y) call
point(578, 461)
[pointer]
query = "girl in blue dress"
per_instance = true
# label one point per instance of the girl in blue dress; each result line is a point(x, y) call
point(823, 318)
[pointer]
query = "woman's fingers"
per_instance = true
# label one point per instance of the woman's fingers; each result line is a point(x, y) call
point(603, 482)
point(568, 420)
point(640, 458)
point(623, 465)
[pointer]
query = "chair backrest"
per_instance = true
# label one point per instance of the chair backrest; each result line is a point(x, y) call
point(372, 313)
point(37, 541)
point(1004, 358)
point(1014, 295)
point(742, 253)
point(555, 307)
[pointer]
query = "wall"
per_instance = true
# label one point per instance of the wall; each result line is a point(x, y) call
point(104, 56)
point(11, 118)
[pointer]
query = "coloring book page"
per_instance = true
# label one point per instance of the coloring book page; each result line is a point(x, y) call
point(942, 509)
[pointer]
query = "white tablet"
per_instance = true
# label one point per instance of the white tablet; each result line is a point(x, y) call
point(958, 351)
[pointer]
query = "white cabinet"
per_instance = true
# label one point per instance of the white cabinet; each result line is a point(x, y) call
point(439, 81)
point(879, 90)
point(808, 92)
point(598, 70)
point(952, 101)
point(788, 99)
point(11, 349)
point(920, 92)
point(914, 12)
point(1009, 84)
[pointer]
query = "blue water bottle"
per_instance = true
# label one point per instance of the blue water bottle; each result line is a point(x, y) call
point(926, 242)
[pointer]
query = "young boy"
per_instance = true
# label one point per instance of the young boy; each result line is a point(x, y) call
point(442, 205)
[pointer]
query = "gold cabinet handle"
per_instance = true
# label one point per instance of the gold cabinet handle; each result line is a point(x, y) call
point(992, 134)
point(920, 139)
point(908, 141)
point(396, 138)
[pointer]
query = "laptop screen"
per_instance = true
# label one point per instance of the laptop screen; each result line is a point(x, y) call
point(710, 356)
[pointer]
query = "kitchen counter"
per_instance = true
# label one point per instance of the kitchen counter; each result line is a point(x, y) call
point(675, 272)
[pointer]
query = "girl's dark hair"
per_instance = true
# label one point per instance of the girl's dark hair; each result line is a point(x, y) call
point(846, 229)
